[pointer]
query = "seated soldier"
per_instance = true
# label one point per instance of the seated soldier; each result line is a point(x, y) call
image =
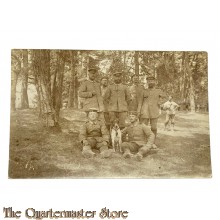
point(139, 138)
point(94, 135)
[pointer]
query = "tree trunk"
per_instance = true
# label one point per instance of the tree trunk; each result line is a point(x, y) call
point(71, 98)
point(38, 96)
point(136, 62)
point(41, 69)
point(59, 87)
point(14, 80)
point(190, 87)
point(24, 83)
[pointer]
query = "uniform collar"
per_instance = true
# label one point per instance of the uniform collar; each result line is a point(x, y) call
point(91, 80)
point(135, 124)
point(93, 122)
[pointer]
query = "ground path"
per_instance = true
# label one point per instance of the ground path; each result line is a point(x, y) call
point(36, 152)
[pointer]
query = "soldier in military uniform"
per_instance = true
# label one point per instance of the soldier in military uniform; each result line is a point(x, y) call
point(139, 138)
point(135, 90)
point(91, 92)
point(149, 105)
point(170, 107)
point(94, 135)
point(104, 87)
point(117, 97)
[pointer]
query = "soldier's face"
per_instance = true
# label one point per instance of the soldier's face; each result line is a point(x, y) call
point(151, 83)
point(135, 80)
point(117, 79)
point(92, 75)
point(93, 116)
point(132, 118)
point(104, 82)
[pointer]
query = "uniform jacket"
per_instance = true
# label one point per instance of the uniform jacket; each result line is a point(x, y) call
point(170, 107)
point(149, 103)
point(135, 91)
point(96, 129)
point(103, 91)
point(117, 97)
point(139, 134)
point(91, 101)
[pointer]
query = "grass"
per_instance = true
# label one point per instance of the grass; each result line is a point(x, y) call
point(37, 152)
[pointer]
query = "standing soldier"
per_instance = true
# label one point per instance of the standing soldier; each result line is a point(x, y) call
point(149, 105)
point(135, 90)
point(104, 86)
point(94, 135)
point(91, 92)
point(170, 107)
point(117, 97)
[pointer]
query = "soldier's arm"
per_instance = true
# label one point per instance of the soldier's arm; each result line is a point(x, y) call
point(107, 96)
point(124, 133)
point(150, 135)
point(176, 105)
point(164, 106)
point(83, 93)
point(82, 133)
point(128, 97)
point(105, 133)
point(162, 97)
point(140, 101)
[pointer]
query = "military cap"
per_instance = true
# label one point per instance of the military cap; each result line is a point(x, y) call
point(104, 77)
point(117, 74)
point(151, 78)
point(92, 69)
point(93, 110)
point(133, 113)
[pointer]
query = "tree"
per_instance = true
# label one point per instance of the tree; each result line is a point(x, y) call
point(48, 67)
point(136, 61)
point(24, 80)
point(73, 93)
point(15, 71)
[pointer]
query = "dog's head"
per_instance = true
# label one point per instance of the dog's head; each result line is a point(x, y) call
point(115, 124)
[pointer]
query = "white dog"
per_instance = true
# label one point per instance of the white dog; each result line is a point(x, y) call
point(116, 137)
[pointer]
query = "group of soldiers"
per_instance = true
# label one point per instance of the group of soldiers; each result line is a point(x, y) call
point(104, 103)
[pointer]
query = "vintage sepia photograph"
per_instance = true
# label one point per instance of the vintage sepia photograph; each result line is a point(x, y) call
point(109, 114)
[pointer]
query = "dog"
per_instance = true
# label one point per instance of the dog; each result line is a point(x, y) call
point(116, 137)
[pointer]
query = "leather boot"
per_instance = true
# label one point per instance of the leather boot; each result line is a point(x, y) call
point(87, 152)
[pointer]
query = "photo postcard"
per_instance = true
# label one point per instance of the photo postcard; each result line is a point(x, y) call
point(109, 114)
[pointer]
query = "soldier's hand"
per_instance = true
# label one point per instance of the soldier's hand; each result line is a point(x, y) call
point(147, 146)
point(85, 142)
point(105, 143)
point(93, 93)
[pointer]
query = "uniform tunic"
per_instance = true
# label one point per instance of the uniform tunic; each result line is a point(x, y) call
point(135, 91)
point(90, 100)
point(117, 96)
point(139, 134)
point(149, 103)
point(170, 107)
point(95, 130)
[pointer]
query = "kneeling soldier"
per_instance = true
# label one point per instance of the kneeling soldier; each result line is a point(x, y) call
point(139, 138)
point(94, 135)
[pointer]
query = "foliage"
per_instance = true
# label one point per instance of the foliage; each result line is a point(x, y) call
point(181, 74)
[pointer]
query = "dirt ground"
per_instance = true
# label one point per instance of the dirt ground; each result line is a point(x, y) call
point(37, 152)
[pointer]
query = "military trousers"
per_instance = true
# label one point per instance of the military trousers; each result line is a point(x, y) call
point(153, 124)
point(121, 116)
point(97, 143)
point(169, 118)
point(134, 148)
